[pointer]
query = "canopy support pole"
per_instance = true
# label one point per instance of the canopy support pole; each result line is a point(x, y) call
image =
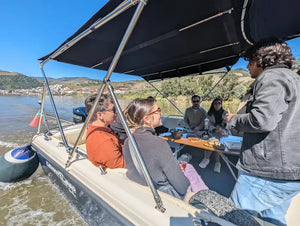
point(165, 96)
point(137, 13)
point(41, 109)
point(54, 108)
point(217, 83)
point(123, 7)
point(107, 76)
point(159, 204)
point(138, 157)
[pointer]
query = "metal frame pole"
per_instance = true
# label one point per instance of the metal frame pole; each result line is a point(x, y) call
point(164, 96)
point(113, 64)
point(159, 204)
point(210, 91)
point(121, 8)
point(41, 109)
point(136, 151)
point(109, 72)
point(54, 108)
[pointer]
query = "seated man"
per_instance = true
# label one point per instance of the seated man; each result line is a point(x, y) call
point(103, 147)
point(194, 116)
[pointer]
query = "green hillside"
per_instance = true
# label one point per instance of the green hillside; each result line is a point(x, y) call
point(13, 80)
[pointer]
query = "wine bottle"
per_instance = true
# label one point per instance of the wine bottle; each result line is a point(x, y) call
point(205, 134)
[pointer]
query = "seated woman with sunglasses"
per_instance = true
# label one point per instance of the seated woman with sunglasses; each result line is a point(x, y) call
point(103, 147)
point(142, 116)
point(217, 125)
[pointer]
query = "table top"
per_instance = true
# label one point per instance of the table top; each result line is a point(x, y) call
point(207, 145)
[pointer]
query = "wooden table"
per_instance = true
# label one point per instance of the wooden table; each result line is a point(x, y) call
point(179, 144)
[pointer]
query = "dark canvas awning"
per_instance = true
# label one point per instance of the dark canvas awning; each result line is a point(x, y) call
point(181, 37)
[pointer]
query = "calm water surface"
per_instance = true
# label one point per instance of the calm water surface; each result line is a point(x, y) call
point(36, 201)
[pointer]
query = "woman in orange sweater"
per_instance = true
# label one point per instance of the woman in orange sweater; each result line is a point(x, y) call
point(103, 147)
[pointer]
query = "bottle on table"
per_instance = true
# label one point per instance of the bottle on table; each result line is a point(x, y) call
point(205, 135)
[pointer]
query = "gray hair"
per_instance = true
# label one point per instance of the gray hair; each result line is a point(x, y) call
point(103, 102)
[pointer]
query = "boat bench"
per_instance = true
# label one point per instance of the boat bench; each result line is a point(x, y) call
point(71, 137)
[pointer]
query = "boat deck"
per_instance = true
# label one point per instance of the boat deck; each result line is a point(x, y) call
point(223, 182)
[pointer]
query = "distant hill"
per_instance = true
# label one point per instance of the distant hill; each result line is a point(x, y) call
point(67, 80)
point(241, 72)
point(14, 80)
point(8, 73)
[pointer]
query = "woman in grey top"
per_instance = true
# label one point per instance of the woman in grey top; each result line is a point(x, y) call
point(143, 115)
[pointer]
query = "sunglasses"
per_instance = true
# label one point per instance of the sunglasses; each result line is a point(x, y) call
point(158, 110)
point(196, 101)
point(112, 109)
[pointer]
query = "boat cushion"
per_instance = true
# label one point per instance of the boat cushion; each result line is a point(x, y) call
point(71, 137)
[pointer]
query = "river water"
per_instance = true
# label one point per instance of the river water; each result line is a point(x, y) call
point(36, 201)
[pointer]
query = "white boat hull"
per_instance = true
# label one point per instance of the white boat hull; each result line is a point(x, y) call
point(111, 198)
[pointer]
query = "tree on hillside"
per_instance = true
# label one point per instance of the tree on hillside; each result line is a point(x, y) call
point(187, 86)
point(204, 84)
point(18, 82)
point(229, 87)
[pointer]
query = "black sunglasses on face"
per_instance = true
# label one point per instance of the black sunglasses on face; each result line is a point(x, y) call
point(196, 101)
point(112, 109)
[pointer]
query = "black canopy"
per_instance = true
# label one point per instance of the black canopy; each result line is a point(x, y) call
point(163, 44)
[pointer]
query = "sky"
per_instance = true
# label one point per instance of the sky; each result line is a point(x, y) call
point(30, 29)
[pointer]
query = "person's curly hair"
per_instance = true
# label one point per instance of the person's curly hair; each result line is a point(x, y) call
point(101, 106)
point(269, 53)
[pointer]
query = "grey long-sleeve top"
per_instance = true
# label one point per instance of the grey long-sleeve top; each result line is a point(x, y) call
point(159, 160)
point(195, 118)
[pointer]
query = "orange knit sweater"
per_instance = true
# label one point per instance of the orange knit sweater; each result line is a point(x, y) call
point(104, 148)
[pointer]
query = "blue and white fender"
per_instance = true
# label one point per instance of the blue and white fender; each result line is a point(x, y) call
point(18, 164)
